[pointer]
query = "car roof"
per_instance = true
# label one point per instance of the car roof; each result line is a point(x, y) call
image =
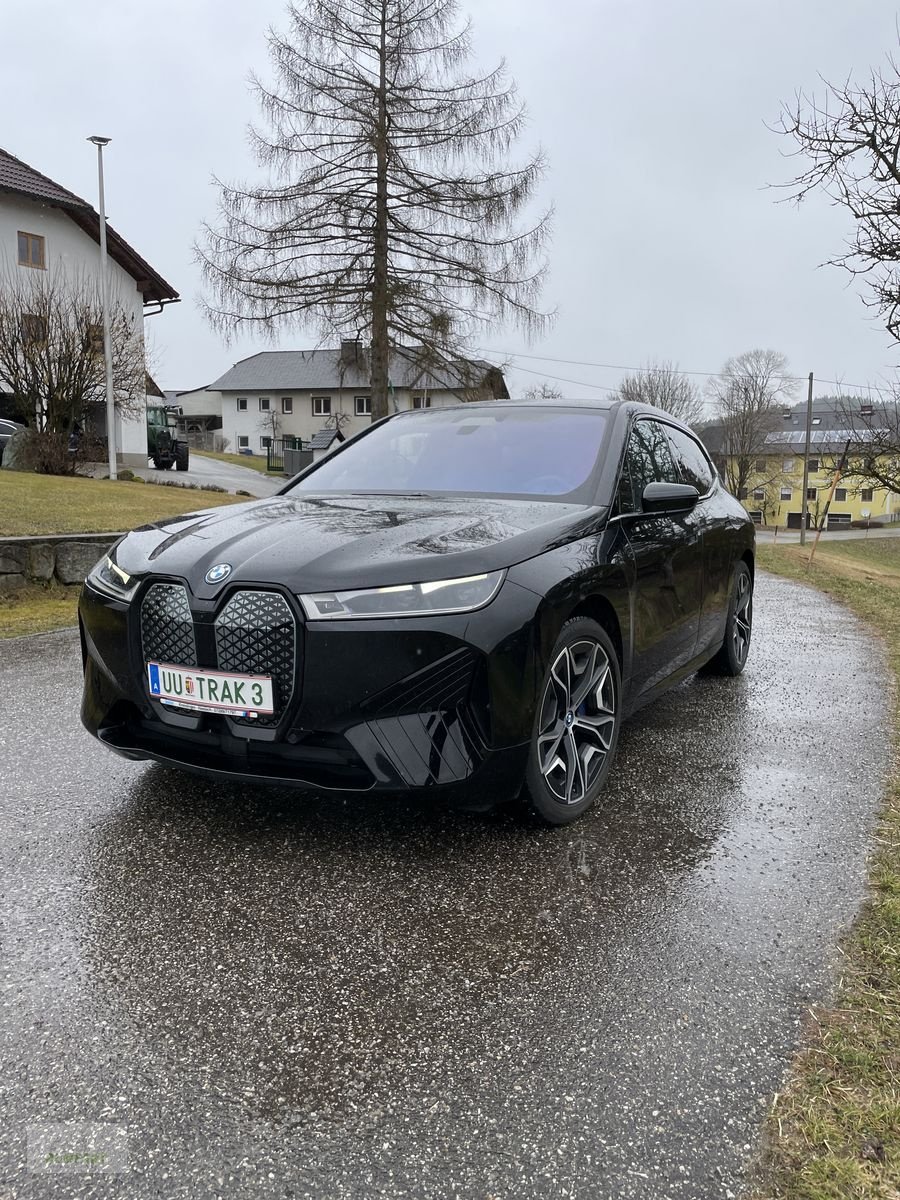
point(611, 405)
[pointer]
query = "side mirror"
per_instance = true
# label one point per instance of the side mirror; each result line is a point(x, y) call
point(669, 497)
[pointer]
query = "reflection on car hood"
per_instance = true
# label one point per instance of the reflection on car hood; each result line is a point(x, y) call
point(335, 541)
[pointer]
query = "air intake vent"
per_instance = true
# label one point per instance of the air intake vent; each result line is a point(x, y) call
point(256, 635)
point(167, 630)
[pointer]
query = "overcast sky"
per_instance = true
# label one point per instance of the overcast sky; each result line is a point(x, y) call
point(667, 242)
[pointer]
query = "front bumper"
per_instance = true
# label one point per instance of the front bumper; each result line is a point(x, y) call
point(389, 704)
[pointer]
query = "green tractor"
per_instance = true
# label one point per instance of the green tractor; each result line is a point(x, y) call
point(163, 444)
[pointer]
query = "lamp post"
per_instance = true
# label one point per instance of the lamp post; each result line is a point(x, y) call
point(804, 509)
point(100, 142)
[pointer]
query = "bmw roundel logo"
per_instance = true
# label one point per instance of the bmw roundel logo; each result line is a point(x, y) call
point(219, 572)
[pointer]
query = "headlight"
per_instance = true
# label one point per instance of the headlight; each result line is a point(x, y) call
point(405, 599)
point(109, 577)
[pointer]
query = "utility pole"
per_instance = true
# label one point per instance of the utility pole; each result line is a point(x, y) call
point(100, 142)
point(804, 508)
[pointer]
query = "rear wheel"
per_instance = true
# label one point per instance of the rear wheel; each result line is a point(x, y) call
point(577, 724)
point(182, 458)
point(732, 656)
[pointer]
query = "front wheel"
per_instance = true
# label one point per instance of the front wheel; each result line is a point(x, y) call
point(577, 724)
point(732, 656)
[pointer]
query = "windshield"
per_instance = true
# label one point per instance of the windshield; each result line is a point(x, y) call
point(519, 451)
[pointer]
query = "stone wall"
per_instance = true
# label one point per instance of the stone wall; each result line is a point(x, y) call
point(64, 558)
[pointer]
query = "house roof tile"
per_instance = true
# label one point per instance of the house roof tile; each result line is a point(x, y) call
point(18, 178)
point(324, 369)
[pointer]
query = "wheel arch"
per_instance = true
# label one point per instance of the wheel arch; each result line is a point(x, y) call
point(600, 609)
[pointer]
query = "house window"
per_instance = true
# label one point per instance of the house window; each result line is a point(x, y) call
point(810, 493)
point(760, 464)
point(787, 465)
point(362, 406)
point(321, 406)
point(840, 494)
point(867, 495)
point(759, 493)
point(421, 402)
point(265, 442)
point(93, 339)
point(817, 420)
point(742, 494)
point(34, 328)
point(287, 404)
point(243, 441)
point(786, 494)
point(264, 404)
point(242, 403)
point(813, 464)
point(31, 250)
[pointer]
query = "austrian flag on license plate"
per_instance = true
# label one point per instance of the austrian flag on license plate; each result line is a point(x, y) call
point(211, 691)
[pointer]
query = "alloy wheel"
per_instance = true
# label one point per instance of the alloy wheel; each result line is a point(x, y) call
point(577, 720)
point(743, 617)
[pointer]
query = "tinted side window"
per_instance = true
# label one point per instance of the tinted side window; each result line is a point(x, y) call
point(691, 460)
point(648, 459)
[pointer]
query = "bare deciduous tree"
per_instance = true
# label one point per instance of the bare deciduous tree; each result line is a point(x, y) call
point(543, 391)
point(851, 140)
point(391, 208)
point(664, 386)
point(749, 395)
point(870, 431)
point(51, 355)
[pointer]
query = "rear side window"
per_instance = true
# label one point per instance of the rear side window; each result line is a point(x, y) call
point(648, 459)
point(690, 460)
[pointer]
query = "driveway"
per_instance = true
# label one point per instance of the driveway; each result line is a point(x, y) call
point(223, 474)
point(272, 996)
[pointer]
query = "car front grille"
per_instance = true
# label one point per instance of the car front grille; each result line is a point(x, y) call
point(167, 627)
point(256, 634)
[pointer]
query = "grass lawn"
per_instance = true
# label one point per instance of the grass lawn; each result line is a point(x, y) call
point(834, 1133)
point(256, 462)
point(38, 609)
point(36, 504)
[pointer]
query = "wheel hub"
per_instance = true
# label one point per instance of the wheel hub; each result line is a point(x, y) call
point(577, 720)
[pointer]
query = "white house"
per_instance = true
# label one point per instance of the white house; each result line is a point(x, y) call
point(45, 227)
point(296, 393)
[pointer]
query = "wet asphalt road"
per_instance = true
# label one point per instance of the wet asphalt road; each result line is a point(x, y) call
point(227, 475)
point(278, 997)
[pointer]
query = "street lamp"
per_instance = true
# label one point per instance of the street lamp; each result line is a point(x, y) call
point(100, 142)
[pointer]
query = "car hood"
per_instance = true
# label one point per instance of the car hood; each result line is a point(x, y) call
point(329, 542)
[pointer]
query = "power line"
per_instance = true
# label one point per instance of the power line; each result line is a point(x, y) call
point(571, 362)
point(601, 387)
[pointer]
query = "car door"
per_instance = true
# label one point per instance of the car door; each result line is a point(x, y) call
point(717, 537)
point(666, 553)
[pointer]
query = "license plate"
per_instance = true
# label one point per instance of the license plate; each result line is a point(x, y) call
point(211, 691)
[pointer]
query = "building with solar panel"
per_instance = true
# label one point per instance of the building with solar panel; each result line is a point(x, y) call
point(844, 432)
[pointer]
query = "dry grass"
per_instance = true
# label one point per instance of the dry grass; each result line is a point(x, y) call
point(38, 609)
point(39, 504)
point(834, 1133)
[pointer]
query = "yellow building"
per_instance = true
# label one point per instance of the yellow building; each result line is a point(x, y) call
point(774, 494)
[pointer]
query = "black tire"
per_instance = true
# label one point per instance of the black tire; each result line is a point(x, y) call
point(182, 458)
point(731, 657)
point(584, 654)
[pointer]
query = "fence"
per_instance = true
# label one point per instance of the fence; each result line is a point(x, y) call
point(288, 454)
